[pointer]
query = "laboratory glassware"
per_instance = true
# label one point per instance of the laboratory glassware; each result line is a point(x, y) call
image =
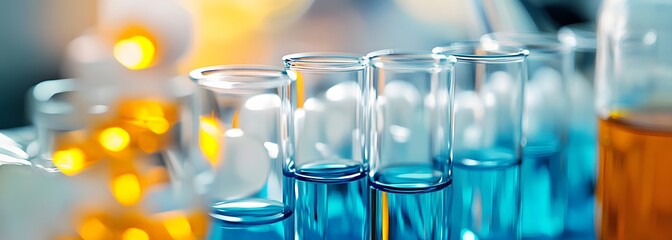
point(243, 147)
point(487, 133)
point(582, 137)
point(332, 193)
point(545, 123)
point(634, 107)
point(408, 143)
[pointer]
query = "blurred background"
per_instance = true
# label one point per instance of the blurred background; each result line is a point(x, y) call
point(35, 33)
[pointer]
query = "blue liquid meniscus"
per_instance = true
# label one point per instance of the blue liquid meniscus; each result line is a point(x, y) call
point(486, 197)
point(409, 202)
point(253, 218)
point(331, 200)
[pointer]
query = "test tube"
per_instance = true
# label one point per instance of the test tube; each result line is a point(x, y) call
point(408, 143)
point(244, 130)
point(582, 139)
point(545, 120)
point(486, 146)
point(328, 165)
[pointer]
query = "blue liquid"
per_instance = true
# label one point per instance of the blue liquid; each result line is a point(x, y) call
point(544, 190)
point(581, 173)
point(331, 202)
point(251, 219)
point(410, 202)
point(254, 217)
point(486, 197)
point(280, 230)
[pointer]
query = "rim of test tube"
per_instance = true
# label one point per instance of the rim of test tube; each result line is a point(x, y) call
point(535, 43)
point(409, 59)
point(49, 112)
point(581, 36)
point(324, 61)
point(492, 53)
point(240, 76)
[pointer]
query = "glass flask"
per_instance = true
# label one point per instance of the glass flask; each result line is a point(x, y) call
point(634, 113)
point(408, 146)
point(582, 136)
point(243, 148)
point(52, 114)
point(24, 183)
point(118, 160)
point(545, 121)
point(332, 192)
point(487, 134)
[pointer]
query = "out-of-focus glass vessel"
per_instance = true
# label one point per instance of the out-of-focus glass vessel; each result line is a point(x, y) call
point(582, 130)
point(486, 141)
point(634, 102)
point(544, 167)
point(244, 133)
point(122, 167)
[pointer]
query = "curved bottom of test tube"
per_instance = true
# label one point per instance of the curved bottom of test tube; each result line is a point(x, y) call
point(250, 211)
point(486, 158)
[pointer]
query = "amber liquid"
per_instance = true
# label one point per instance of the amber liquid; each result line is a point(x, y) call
point(634, 192)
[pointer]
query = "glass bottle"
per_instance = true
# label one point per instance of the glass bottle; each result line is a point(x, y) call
point(634, 110)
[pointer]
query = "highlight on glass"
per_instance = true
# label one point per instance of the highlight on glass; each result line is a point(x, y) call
point(408, 143)
point(486, 145)
point(244, 128)
point(544, 168)
point(329, 167)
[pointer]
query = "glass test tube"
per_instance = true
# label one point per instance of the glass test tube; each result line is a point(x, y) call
point(582, 139)
point(487, 134)
point(408, 144)
point(244, 145)
point(328, 165)
point(544, 168)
